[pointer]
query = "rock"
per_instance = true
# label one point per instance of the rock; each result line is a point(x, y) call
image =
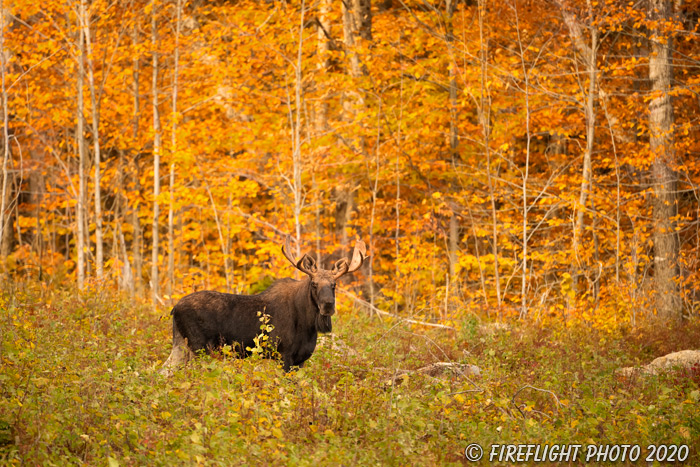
point(438, 370)
point(448, 368)
point(682, 359)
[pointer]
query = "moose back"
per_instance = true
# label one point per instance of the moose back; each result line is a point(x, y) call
point(297, 309)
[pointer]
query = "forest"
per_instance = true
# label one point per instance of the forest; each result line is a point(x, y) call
point(525, 175)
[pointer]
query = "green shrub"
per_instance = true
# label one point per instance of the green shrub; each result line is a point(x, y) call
point(79, 385)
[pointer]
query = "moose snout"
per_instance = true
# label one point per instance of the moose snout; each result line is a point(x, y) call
point(326, 301)
point(327, 306)
point(328, 309)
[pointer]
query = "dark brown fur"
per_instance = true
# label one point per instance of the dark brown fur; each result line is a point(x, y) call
point(298, 310)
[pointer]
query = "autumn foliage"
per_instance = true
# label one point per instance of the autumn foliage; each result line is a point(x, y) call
point(451, 138)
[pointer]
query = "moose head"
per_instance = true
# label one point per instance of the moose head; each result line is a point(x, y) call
point(322, 281)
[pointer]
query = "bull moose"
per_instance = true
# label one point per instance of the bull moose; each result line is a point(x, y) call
point(297, 310)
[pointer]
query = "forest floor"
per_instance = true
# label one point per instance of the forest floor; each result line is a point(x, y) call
point(79, 384)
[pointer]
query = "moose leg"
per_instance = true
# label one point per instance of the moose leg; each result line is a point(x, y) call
point(287, 363)
point(180, 354)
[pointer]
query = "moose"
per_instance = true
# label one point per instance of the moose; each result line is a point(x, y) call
point(297, 311)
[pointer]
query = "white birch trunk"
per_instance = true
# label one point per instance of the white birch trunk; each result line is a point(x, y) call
point(87, 52)
point(80, 136)
point(5, 124)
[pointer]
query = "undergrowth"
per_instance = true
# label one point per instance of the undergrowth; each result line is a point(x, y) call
point(79, 384)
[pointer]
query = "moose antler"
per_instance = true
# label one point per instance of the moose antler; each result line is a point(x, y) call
point(306, 264)
point(359, 255)
point(285, 251)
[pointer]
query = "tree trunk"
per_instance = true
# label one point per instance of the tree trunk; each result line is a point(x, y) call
point(453, 245)
point(7, 239)
point(352, 100)
point(453, 240)
point(357, 24)
point(126, 281)
point(156, 158)
point(374, 190)
point(344, 205)
point(295, 121)
point(357, 27)
point(525, 171)
point(80, 136)
point(397, 175)
point(36, 195)
point(588, 54)
point(665, 207)
point(4, 231)
point(173, 151)
point(323, 49)
point(486, 130)
point(136, 245)
point(87, 51)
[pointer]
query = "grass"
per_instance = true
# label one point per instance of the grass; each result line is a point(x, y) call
point(79, 385)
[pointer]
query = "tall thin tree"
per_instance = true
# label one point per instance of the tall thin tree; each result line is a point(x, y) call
point(82, 157)
point(136, 245)
point(5, 121)
point(173, 151)
point(296, 184)
point(453, 236)
point(665, 179)
point(99, 253)
point(525, 171)
point(588, 53)
point(485, 117)
point(157, 146)
point(357, 31)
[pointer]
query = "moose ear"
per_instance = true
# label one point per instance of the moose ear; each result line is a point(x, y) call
point(307, 265)
point(339, 268)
